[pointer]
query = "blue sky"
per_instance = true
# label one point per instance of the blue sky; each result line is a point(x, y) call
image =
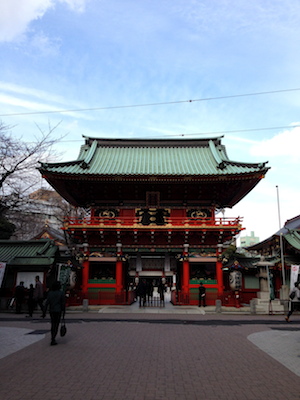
point(80, 54)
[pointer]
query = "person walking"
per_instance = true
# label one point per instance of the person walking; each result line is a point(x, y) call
point(294, 301)
point(30, 300)
point(38, 294)
point(56, 303)
point(202, 295)
point(19, 295)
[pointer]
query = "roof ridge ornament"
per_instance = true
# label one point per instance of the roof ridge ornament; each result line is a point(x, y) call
point(217, 156)
point(89, 156)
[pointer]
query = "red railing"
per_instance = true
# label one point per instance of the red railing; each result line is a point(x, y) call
point(179, 298)
point(192, 298)
point(169, 222)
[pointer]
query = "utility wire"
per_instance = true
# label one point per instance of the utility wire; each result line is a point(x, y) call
point(150, 104)
point(241, 130)
point(207, 133)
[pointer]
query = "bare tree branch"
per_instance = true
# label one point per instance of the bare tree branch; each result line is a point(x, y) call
point(19, 160)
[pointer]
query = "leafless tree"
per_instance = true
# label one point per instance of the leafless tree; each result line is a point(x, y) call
point(19, 159)
point(18, 162)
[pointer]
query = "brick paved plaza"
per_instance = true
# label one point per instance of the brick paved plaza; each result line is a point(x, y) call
point(151, 356)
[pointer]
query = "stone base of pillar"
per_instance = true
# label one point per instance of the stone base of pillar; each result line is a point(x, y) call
point(284, 292)
point(263, 305)
point(85, 305)
point(218, 306)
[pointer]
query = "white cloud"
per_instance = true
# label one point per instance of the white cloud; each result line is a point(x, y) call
point(75, 5)
point(285, 144)
point(240, 139)
point(44, 45)
point(259, 208)
point(32, 92)
point(244, 16)
point(28, 105)
point(17, 15)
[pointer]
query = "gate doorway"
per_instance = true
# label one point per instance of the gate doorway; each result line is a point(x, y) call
point(152, 277)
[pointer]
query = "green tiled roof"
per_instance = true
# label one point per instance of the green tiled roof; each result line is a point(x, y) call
point(32, 252)
point(293, 237)
point(153, 157)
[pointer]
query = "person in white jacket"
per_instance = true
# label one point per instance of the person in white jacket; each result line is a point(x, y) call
point(294, 301)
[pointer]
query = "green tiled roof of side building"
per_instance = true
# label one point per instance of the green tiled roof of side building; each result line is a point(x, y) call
point(31, 252)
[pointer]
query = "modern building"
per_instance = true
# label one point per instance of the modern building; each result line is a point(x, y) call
point(153, 213)
point(247, 241)
point(41, 207)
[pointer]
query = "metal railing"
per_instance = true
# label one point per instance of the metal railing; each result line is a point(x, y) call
point(151, 301)
point(99, 297)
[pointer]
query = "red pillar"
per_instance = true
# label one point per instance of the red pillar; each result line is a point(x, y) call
point(237, 299)
point(186, 270)
point(219, 271)
point(86, 267)
point(85, 276)
point(119, 269)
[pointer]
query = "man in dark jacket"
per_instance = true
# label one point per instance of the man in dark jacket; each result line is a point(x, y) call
point(141, 292)
point(56, 302)
point(202, 295)
point(19, 295)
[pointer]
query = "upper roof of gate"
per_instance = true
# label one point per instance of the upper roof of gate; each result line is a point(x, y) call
point(174, 157)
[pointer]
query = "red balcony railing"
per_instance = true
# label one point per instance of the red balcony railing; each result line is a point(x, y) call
point(126, 222)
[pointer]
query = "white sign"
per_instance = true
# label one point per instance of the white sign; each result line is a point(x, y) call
point(294, 275)
point(2, 270)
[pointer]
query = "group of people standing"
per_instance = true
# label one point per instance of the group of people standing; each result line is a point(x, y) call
point(34, 295)
point(144, 291)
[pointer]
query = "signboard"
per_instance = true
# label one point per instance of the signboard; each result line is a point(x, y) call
point(294, 275)
point(2, 270)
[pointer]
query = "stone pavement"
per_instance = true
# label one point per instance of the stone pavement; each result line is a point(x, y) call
point(169, 354)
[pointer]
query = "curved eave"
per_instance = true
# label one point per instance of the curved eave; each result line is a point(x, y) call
point(32, 261)
point(257, 175)
point(147, 160)
point(121, 161)
point(293, 238)
point(232, 188)
point(86, 172)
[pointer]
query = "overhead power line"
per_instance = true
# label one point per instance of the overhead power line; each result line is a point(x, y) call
point(241, 130)
point(209, 133)
point(149, 104)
